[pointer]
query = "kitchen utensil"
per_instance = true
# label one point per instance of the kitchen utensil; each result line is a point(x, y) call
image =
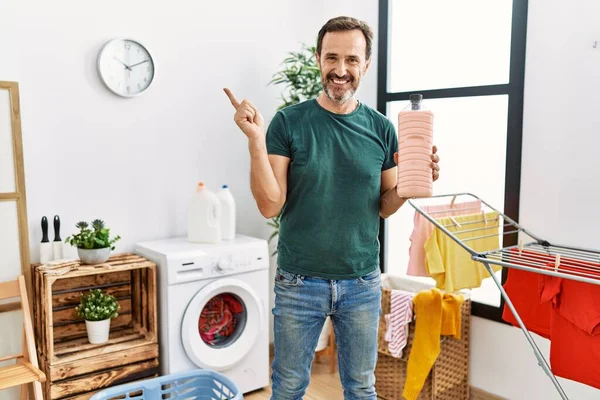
point(45, 246)
point(57, 245)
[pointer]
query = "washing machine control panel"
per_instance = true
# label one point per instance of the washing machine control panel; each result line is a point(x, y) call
point(232, 263)
point(190, 267)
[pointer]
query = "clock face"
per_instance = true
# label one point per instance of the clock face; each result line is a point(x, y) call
point(126, 67)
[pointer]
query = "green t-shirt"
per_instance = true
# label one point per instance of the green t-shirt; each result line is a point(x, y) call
point(329, 225)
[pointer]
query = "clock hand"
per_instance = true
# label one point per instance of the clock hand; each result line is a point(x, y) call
point(139, 63)
point(126, 66)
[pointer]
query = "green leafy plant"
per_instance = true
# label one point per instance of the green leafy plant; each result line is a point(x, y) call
point(97, 306)
point(300, 75)
point(301, 78)
point(274, 222)
point(96, 237)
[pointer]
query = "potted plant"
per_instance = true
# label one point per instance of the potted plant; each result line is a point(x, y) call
point(274, 222)
point(93, 244)
point(97, 309)
point(300, 75)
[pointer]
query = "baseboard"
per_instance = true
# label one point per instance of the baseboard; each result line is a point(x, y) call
point(478, 394)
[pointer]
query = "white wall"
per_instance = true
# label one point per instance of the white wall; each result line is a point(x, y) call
point(135, 162)
point(559, 189)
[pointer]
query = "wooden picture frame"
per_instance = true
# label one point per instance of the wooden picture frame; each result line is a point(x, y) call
point(12, 183)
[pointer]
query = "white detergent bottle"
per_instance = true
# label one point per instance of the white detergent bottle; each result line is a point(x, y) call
point(415, 143)
point(204, 216)
point(227, 213)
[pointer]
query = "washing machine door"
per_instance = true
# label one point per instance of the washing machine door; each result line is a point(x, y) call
point(221, 324)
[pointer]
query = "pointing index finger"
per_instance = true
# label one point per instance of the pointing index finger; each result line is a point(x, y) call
point(234, 102)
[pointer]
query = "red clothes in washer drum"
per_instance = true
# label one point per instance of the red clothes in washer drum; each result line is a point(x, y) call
point(218, 319)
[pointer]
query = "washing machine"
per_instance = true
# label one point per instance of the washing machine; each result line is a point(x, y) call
point(213, 307)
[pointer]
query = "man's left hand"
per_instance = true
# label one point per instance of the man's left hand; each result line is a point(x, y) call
point(435, 159)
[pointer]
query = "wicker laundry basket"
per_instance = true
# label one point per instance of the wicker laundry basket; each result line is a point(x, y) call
point(449, 376)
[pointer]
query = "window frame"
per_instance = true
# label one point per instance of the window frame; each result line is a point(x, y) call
point(514, 89)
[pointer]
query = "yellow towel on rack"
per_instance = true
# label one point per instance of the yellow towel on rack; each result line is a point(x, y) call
point(436, 314)
point(448, 263)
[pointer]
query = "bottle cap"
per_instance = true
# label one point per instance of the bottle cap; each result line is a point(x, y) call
point(415, 98)
point(224, 186)
point(200, 186)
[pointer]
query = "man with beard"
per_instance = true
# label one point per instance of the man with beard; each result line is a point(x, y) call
point(329, 166)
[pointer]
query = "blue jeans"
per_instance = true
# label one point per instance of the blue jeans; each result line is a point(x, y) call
point(301, 306)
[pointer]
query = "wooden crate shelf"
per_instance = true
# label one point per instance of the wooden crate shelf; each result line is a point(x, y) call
point(76, 368)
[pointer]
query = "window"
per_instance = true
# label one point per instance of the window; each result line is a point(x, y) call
point(467, 59)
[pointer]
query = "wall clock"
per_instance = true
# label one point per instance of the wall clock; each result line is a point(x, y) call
point(126, 67)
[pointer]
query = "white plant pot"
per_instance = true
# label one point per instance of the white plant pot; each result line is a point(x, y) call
point(93, 256)
point(98, 331)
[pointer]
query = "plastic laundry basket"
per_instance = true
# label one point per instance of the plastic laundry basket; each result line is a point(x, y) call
point(195, 384)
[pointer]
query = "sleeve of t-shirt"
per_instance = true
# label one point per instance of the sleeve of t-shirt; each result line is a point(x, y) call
point(391, 146)
point(549, 288)
point(278, 141)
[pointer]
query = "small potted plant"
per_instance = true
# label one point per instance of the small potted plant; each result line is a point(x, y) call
point(93, 245)
point(97, 309)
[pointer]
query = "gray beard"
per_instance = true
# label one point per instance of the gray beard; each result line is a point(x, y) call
point(339, 100)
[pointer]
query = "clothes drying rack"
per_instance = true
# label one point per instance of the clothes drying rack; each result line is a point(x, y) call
point(535, 259)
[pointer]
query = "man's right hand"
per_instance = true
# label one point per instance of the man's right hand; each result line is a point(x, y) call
point(247, 117)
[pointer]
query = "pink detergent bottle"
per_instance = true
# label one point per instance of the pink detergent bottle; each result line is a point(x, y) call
point(415, 142)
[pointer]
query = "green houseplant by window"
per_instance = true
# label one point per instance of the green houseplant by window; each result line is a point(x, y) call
point(97, 309)
point(301, 78)
point(93, 244)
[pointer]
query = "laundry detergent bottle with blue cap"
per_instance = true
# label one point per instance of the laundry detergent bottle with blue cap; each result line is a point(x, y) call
point(227, 213)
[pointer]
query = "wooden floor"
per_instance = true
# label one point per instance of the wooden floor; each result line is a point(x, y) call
point(327, 386)
point(323, 385)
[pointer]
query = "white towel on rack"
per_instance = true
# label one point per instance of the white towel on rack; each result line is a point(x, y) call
point(398, 320)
